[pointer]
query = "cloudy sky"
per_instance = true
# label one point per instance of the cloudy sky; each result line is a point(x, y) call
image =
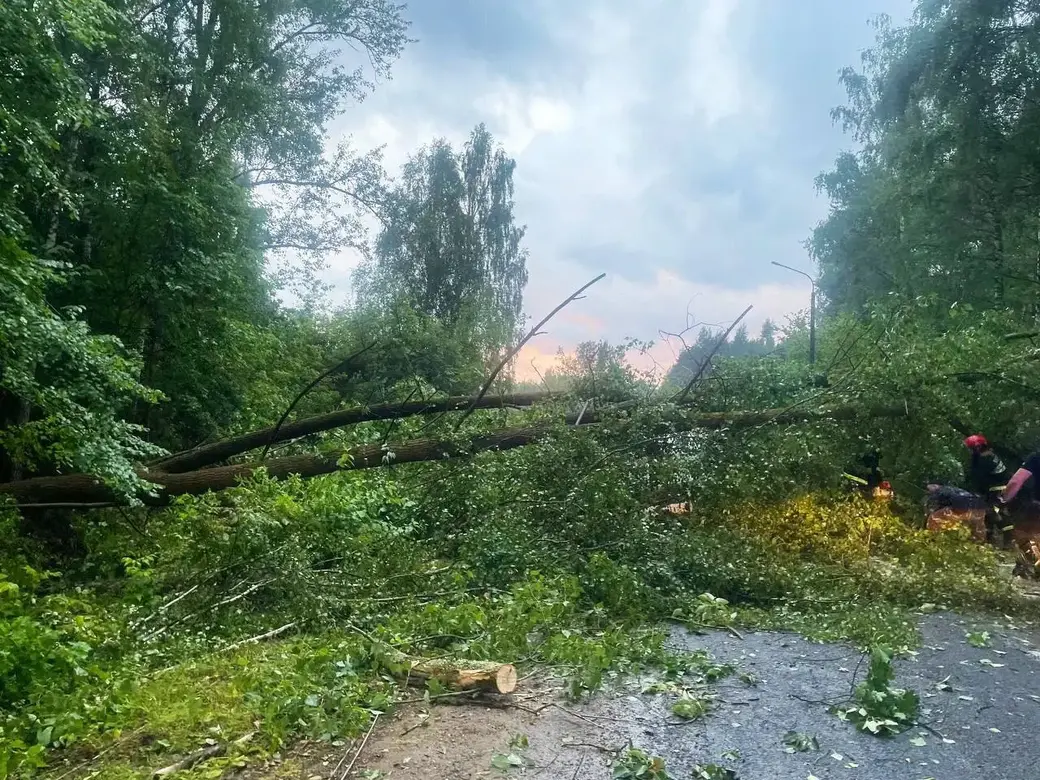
point(669, 143)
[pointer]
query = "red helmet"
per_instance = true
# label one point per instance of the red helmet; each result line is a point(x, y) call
point(976, 442)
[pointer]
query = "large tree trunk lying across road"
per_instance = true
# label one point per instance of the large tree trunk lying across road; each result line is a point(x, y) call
point(86, 489)
point(208, 454)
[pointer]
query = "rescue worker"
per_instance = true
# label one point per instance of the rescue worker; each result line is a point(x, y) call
point(986, 476)
point(986, 472)
point(866, 474)
point(1029, 470)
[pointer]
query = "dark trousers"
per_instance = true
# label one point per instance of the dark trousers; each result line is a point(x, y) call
point(997, 519)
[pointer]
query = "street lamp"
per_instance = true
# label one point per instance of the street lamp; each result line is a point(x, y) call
point(812, 310)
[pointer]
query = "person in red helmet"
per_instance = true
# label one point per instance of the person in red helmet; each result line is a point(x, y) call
point(986, 472)
point(986, 476)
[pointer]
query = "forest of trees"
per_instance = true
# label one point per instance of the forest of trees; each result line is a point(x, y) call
point(166, 180)
point(165, 177)
point(702, 350)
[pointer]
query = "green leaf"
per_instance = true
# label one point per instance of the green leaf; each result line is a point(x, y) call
point(689, 708)
point(506, 761)
point(798, 742)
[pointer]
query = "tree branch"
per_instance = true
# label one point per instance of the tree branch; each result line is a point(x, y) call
point(681, 395)
point(339, 368)
point(206, 455)
point(519, 345)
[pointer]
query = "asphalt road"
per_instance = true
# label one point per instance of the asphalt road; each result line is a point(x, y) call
point(983, 723)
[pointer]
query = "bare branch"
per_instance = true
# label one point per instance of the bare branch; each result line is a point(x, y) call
point(679, 397)
point(519, 345)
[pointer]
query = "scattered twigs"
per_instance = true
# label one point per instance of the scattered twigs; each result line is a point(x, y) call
point(190, 760)
point(169, 604)
point(203, 754)
point(600, 748)
point(211, 608)
point(361, 747)
point(423, 720)
point(97, 756)
point(519, 345)
point(579, 716)
point(681, 395)
point(436, 696)
point(577, 769)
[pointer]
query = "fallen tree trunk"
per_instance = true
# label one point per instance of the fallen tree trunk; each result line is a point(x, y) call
point(83, 488)
point(208, 454)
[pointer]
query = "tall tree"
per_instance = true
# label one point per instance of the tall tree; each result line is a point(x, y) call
point(450, 244)
point(741, 345)
point(62, 388)
point(943, 198)
point(153, 158)
point(209, 156)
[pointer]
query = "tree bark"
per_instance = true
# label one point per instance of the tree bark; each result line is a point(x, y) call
point(465, 675)
point(83, 488)
point(208, 454)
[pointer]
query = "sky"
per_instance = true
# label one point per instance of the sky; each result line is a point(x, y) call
point(671, 144)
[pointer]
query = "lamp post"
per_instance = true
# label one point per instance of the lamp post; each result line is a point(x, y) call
point(812, 310)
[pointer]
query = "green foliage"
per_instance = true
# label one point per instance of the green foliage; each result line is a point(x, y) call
point(155, 174)
point(636, 764)
point(142, 187)
point(690, 360)
point(713, 772)
point(415, 353)
point(977, 638)
point(797, 742)
point(934, 204)
point(42, 99)
point(690, 707)
point(505, 556)
point(877, 707)
point(58, 667)
point(62, 389)
point(600, 370)
point(450, 246)
point(515, 758)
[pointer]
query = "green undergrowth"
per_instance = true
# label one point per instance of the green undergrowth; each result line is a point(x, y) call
point(137, 654)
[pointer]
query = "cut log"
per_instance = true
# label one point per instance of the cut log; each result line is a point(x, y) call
point(467, 675)
point(84, 488)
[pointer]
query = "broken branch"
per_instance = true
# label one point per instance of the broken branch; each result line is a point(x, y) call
point(520, 344)
point(707, 361)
